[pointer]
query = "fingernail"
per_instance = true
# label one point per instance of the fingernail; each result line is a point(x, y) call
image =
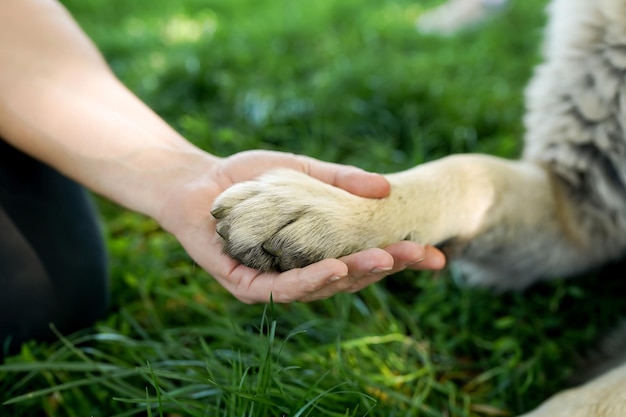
point(380, 269)
point(406, 265)
point(334, 278)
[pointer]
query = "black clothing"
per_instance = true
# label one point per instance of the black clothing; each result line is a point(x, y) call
point(52, 256)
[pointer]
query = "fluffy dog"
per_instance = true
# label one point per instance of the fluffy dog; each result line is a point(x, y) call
point(557, 211)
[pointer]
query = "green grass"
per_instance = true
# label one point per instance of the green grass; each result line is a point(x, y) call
point(347, 81)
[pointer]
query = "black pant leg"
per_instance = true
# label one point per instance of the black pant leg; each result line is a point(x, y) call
point(52, 255)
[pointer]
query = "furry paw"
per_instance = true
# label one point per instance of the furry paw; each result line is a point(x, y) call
point(286, 219)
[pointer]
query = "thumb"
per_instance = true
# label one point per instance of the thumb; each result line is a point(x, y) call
point(350, 178)
point(361, 183)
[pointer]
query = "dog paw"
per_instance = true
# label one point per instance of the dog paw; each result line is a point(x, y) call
point(286, 219)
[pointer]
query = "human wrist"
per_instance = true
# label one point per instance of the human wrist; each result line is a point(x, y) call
point(161, 177)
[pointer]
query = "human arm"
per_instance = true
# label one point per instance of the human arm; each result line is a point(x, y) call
point(60, 103)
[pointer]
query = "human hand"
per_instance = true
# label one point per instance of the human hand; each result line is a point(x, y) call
point(186, 214)
point(135, 159)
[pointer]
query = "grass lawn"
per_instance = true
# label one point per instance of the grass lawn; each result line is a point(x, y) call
point(348, 81)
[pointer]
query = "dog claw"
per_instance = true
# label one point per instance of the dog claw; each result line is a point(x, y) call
point(223, 230)
point(219, 213)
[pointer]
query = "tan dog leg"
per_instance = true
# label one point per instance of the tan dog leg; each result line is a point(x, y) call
point(603, 397)
point(504, 220)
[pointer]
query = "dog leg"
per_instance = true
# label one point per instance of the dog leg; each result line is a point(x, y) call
point(603, 397)
point(508, 223)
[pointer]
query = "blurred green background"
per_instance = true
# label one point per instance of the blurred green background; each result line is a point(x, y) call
point(351, 82)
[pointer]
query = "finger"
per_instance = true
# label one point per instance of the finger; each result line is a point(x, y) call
point(350, 178)
point(401, 254)
point(251, 286)
point(364, 268)
point(433, 260)
point(406, 254)
point(372, 265)
point(368, 261)
point(362, 183)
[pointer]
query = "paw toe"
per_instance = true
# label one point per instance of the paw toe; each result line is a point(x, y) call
point(273, 249)
point(223, 230)
point(220, 212)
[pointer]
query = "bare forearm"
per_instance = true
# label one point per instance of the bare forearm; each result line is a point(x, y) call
point(60, 103)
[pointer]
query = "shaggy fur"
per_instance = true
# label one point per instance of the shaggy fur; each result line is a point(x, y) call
point(557, 211)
